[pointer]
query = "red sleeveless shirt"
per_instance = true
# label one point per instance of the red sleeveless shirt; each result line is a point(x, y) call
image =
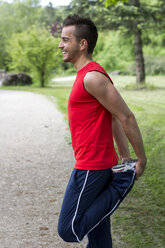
point(91, 126)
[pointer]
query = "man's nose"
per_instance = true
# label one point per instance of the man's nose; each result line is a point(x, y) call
point(60, 45)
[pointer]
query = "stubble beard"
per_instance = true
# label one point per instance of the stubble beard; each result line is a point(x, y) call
point(71, 55)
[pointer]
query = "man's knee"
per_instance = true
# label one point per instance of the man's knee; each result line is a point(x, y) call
point(66, 234)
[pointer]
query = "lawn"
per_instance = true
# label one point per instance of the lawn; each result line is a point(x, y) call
point(140, 221)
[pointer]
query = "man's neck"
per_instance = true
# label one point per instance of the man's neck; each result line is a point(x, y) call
point(81, 62)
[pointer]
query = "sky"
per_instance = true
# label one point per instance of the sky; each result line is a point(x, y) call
point(55, 2)
point(46, 2)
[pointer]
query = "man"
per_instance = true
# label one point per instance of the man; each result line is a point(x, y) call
point(97, 113)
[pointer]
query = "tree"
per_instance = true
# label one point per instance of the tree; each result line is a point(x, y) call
point(131, 17)
point(36, 52)
point(139, 15)
point(138, 51)
point(109, 2)
point(15, 18)
point(5, 29)
point(51, 15)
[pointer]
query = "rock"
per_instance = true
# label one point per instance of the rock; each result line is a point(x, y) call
point(17, 79)
point(115, 73)
point(10, 79)
point(24, 78)
point(44, 228)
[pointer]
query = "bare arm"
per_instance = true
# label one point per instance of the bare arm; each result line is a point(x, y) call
point(120, 139)
point(100, 87)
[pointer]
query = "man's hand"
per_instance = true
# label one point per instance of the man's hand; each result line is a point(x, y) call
point(140, 167)
point(126, 159)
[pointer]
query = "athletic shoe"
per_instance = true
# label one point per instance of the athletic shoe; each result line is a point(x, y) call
point(125, 166)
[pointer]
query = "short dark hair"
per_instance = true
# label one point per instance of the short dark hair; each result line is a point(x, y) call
point(85, 29)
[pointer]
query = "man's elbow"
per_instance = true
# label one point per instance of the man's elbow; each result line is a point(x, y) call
point(128, 118)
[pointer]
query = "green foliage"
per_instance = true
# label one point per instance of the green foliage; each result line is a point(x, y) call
point(35, 52)
point(85, 7)
point(109, 2)
point(16, 18)
point(115, 51)
point(5, 28)
point(26, 13)
point(154, 65)
point(154, 43)
point(131, 17)
point(112, 51)
point(154, 52)
point(19, 17)
point(50, 15)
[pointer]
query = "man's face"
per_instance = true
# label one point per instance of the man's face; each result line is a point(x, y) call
point(69, 45)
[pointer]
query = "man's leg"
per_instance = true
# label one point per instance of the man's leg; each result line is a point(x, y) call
point(105, 204)
point(100, 237)
point(85, 207)
point(83, 188)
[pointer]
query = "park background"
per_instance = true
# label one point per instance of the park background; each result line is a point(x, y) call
point(132, 44)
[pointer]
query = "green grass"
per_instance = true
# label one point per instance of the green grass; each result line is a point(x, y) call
point(140, 220)
point(142, 216)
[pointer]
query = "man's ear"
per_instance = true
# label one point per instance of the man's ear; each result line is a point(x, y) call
point(83, 44)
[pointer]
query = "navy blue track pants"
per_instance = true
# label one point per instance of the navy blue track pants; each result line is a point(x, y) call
point(90, 198)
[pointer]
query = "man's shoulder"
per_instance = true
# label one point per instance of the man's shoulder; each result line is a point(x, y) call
point(95, 82)
point(96, 77)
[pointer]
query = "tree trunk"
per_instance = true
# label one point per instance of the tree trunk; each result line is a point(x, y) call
point(140, 67)
point(42, 83)
point(42, 80)
point(138, 50)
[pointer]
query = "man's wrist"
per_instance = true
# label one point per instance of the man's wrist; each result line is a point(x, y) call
point(124, 159)
point(142, 161)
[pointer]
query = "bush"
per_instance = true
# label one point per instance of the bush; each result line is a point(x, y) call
point(36, 52)
point(112, 51)
point(154, 65)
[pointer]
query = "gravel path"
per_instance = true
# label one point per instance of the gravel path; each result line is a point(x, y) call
point(35, 164)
